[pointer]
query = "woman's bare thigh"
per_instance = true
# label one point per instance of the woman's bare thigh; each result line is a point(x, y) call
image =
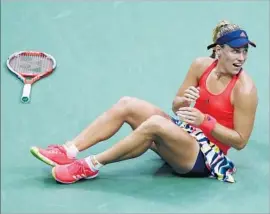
point(175, 146)
point(172, 143)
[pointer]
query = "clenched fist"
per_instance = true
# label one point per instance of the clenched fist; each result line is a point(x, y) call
point(190, 115)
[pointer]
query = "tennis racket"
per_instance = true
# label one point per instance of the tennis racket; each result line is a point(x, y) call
point(30, 66)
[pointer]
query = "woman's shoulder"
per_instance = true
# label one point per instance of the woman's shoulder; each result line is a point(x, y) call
point(245, 85)
point(203, 61)
point(200, 64)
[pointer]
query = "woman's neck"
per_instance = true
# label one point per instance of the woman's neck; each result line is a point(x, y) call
point(221, 72)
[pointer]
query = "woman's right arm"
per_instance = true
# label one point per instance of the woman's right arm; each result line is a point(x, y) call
point(187, 92)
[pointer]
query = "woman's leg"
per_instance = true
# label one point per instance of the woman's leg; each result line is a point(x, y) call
point(130, 110)
point(174, 145)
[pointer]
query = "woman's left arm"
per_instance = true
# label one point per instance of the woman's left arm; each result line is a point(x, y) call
point(245, 106)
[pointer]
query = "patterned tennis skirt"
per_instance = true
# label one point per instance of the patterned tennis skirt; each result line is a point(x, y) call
point(219, 165)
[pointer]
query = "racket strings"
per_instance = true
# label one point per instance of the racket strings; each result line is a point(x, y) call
point(31, 63)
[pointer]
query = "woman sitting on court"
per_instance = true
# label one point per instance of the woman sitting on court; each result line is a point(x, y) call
point(196, 141)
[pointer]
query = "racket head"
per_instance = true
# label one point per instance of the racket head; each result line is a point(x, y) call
point(29, 64)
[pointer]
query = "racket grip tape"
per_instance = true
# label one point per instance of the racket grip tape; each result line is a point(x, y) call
point(26, 93)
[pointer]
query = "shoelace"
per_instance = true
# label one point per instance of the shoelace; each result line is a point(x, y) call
point(76, 169)
point(56, 149)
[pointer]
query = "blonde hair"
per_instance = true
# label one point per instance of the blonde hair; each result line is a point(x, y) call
point(222, 28)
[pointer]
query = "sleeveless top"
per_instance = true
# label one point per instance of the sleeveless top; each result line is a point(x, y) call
point(217, 105)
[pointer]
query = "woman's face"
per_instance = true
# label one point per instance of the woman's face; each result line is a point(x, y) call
point(232, 59)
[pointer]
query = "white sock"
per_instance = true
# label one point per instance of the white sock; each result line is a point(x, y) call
point(93, 163)
point(72, 150)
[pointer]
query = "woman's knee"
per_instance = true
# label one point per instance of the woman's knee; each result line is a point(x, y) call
point(134, 107)
point(156, 123)
point(124, 104)
point(127, 102)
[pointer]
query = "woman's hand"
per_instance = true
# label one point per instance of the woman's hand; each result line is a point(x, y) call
point(190, 115)
point(191, 94)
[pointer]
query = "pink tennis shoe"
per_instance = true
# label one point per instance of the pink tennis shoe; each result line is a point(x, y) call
point(53, 155)
point(73, 172)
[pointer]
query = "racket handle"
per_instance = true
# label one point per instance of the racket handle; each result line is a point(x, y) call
point(192, 104)
point(26, 93)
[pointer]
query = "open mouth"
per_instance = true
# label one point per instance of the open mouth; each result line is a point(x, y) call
point(236, 65)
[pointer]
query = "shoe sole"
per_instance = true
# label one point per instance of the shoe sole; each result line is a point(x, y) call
point(53, 174)
point(36, 153)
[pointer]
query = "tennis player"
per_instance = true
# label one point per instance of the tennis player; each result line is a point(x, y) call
point(196, 140)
